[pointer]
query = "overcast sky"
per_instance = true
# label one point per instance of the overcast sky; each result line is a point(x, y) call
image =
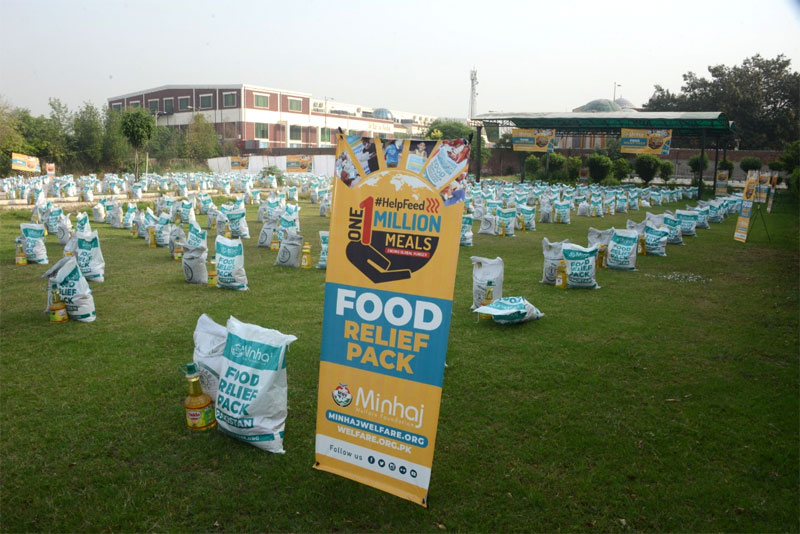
point(407, 55)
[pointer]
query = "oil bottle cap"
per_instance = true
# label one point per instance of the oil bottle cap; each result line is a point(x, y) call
point(189, 368)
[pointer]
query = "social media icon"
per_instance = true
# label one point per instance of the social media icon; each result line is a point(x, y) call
point(392, 467)
point(402, 470)
point(413, 473)
point(371, 459)
point(381, 463)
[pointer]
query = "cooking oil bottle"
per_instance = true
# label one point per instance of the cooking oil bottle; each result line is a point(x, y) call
point(305, 256)
point(177, 252)
point(488, 298)
point(151, 234)
point(134, 229)
point(58, 310)
point(561, 275)
point(642, 249)
point(601, 257)
point(212, 271)
point(502, 228)
point(199, 410)
point(228, 232)
point(20, 258)
point(274, 244)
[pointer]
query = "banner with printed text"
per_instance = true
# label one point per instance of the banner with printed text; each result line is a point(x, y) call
point(721, 189)
point(746, 211)
point(299, 163)
point(392, 256)
point(772, 186)
point(763, 187)
point(632, 141)
point(21, 162)
point(533, 140)
point(50, 169)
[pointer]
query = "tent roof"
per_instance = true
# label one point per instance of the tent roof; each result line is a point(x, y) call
point(689, 124)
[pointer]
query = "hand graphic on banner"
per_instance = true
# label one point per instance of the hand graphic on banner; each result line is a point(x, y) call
point(373, 264)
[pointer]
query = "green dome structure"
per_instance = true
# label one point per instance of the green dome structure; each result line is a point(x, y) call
point(601, 105)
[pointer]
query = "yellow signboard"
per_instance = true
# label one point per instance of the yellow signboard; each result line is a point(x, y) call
point(746, 211)
point(722, 184)
point(762, 188)
point(21, 162)
point(528, 140)
point(392, 256)
point(633, 141)
point(239, 163)
point(299, 163)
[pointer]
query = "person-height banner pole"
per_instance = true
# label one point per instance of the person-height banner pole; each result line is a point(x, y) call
point(393, 250)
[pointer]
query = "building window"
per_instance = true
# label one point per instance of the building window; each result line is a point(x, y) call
point(261, 101)
point(262, 130)
point(295, 104)
point(325, 135)
point(183, 103)
point(116, 107)
point(169, 105)
point(228, 100)
point(152, 105)
point(295, 133)
point(205, 101)
point(134, 105)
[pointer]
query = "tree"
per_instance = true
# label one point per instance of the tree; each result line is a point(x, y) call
point(666, 169)
point(505, 141)
point(531, 165)
point(647, 165)
point(620, 168)
point(138, 126)
point(760, 95)
point(442, 129)
point(750, 163)
point(11, 140)
point(573, 167)
point(725, 165)
point(790, 159)
point(201, 139)
point(88, 136)
point(230, 148)
point(599, 167)
point(115, 146)
point(554, 162)
point(697, 164)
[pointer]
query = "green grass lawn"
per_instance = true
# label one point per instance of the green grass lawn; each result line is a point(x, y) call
point(652, 404)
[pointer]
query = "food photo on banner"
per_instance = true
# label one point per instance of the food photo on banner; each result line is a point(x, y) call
point(533, 140)
point(392, 257)
point(634, 141)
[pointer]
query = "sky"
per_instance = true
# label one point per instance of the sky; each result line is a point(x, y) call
point(406, 55)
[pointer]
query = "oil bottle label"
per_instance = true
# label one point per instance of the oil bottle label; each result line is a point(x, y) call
point(200, 418)
point(59, 315)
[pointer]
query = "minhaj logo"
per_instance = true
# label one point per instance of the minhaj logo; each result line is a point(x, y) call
point(342, 396)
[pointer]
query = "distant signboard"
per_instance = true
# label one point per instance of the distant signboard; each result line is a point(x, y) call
point(533, 140)
point(299, 164)
point(722, 184)
point(21, 162)
point(656, 142)
point(50, 168)
point(239, 163)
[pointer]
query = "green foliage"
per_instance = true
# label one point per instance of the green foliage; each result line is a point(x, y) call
point(201, 139)
point(760, 95)
point(794, 182)
point(11, 140)
point(486, 153)
point(441, 129)
point(505, 141)
point(599, 167)
point(613, 149)
point(230, 148)
point(88, 137)
point(273, 171)
point(776, 165)
point(554, 161)
point(116, 149)
point(696, 164)
point(647, 165)
point(530, 166)
point(620, 169)
point(167, 143)
point(666, 169)
point(790, 159)
point(137, 127)
point(750, 163)
point(573, 167)
point(610, 181)
point(725, 165)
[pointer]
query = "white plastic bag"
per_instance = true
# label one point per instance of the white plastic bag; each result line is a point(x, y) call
point(655, 238)
point(209, 346)
point(488, 225)
point(688, 220)
point(252, 393)
point(466, 231)
point(99, 213)
point(230, 264)
point(552, 255)
point(90, 257)
point(194, 263)
point(510, 310)
point(622, 249)
point(485, 270)
point(74, 289)
point(581, 266)
point(289, 252)
point(32, 238)
point(323, 250)
point(197, 236)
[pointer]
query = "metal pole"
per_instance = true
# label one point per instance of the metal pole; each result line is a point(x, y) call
point(521, 167)
point(702, 159)
point(478, 156)
point(716, 162)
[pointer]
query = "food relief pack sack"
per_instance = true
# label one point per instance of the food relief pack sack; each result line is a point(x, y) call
point(230, 264)
point(197, 236)
point(32, 238)
point(466, 231)
point(622, 250)
point(674, 225)
point(510, 310)
point(73, 288)
point(485, 270)
point(90, 257)
point(252, 393)
point(655, 238)
point(209, 346)
point(323, 250)
point(581, 263)
point(688, 220)
point(527, 215)
point(506, 221)
point(552, 255)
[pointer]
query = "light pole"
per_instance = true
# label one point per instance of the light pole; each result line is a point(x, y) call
point(615, 90)
point(326, 118)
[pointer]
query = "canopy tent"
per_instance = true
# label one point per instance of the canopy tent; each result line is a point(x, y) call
point(701, 124)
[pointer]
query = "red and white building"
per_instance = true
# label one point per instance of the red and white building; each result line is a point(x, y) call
point(263, 117)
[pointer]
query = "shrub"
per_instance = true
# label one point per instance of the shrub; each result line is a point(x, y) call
point(750, 164)
point(666, 169)
point(274, 171)
point(776, 165)
point(599, 167)
point(696, 164)
point(647, 165)
point(794, 182)
point(573, 167)
point(531, 166)
point(556, 162)
point(610, 181)
point(621, 169)
point(726, 165)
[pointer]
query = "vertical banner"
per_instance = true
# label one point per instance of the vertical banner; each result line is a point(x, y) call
point(722, 184)
point(527, 140)
point(50, 168)
point(762, 189)
point(299, 164)
point(632, 141)
point(746, 211)
point(392, 256)
point(772, 186)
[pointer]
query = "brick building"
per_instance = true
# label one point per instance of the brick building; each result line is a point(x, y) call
point(262, 117)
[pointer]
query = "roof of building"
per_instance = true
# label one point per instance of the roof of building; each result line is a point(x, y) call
point(599, 105)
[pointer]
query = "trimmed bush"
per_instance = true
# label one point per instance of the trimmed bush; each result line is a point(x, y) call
point(750, 164)
point(599, 167)
point(647, 165)
point(621, 169)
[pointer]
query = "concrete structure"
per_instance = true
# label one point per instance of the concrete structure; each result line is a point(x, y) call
point(258, 117)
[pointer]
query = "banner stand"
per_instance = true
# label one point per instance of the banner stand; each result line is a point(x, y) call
point(764, 220)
